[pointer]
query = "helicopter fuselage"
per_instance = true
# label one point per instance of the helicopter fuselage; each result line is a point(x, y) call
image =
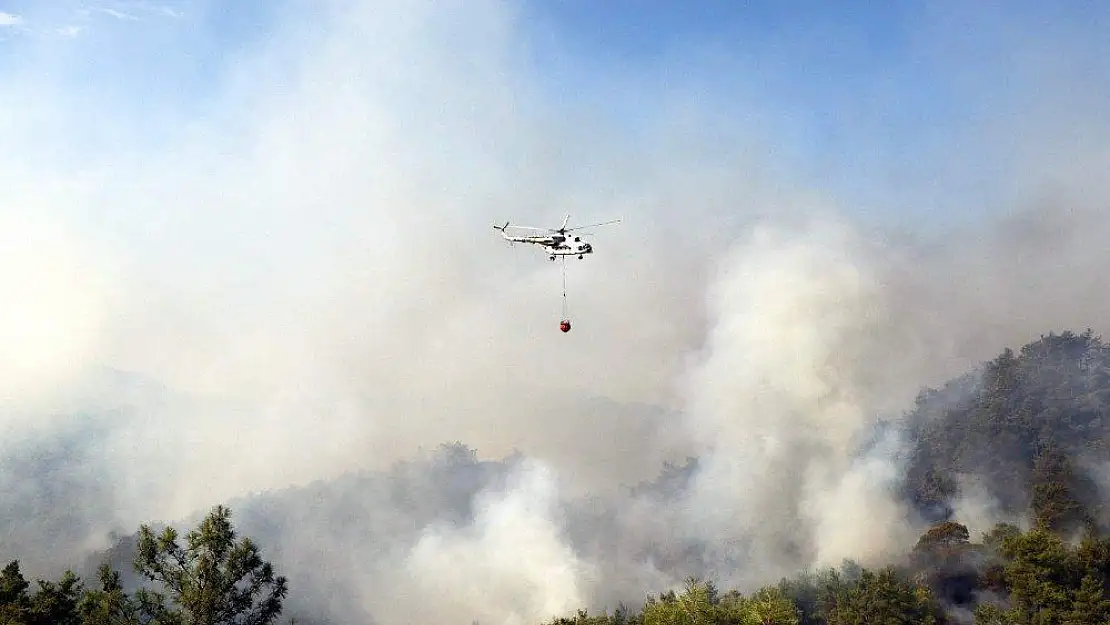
point(561, 241)
point(556, 244)
point(571, 249)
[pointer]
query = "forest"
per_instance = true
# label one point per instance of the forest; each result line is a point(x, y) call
point(1031, 423)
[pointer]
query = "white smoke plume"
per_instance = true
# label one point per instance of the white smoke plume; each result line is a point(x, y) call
point(511, 566)
point(55, 303)
point(786, 389)
point(978, 509)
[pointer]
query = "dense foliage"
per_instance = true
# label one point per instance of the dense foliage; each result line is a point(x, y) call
point(1030, 577)
point(1034, 577)
point(212, 579)
point(1030, 425)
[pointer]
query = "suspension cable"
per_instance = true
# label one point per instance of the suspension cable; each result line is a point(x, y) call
point(564, 287)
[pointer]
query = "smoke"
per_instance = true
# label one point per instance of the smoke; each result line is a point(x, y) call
point(55, 307)
point(791, 378)
point(979, 510)
point(295, 258)
point(510, 566)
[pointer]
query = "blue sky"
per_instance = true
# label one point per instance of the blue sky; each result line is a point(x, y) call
point(867, 101)
point(892, 107)
point(875, 101)
point(802, 66)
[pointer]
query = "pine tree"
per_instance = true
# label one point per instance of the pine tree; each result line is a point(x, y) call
point(215, 579)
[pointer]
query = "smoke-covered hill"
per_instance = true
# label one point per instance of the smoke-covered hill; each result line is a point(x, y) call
point(1019, 439)
point(1024, 432)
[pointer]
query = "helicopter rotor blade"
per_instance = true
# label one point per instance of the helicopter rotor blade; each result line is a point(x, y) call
point(604, 223)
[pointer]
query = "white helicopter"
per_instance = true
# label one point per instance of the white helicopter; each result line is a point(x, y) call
point(557, 241)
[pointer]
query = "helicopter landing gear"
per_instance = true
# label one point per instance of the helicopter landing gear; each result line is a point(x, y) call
point(580, 257)
point(552, 257)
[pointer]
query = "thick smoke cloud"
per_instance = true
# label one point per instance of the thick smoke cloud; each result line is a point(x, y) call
point(782, 396)
point(511, 565)
point(298, 267)
point(56, 305)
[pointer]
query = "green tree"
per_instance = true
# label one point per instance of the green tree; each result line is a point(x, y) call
point(886, 598)
point(214, 579)
point(55, 603)
point(834, 593)
point(583, 617)
point(1039, 575)
point(695, 606)
point(991, 614)
point(1089, 604)
point(111, 605)
point(14, 601)
point(943, 536)
point(1055, 503)
point(948, 564)
point(770, 606)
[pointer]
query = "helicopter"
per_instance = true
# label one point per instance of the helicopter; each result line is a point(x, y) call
point(557, 241)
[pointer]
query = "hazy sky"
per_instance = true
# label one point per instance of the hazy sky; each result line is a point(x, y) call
point(233, 188)
point(868, 102)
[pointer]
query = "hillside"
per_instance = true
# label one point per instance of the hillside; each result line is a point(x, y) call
point(1020, 442)
point(1016, 443)
point(1030, 427)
